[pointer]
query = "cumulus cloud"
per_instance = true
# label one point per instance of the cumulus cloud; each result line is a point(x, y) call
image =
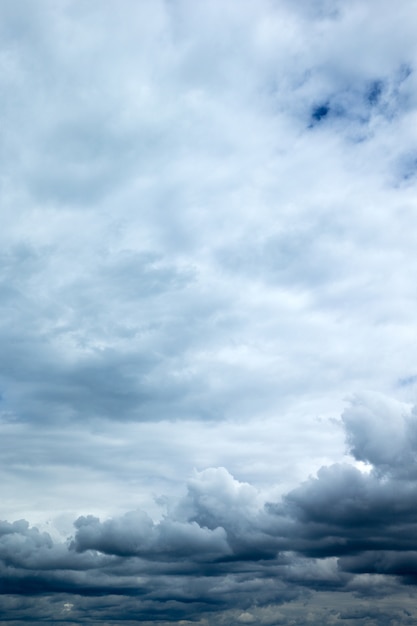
point(224, 548)
point(136, 535)
point(382, 432)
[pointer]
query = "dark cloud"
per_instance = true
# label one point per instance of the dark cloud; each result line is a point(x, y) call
point(219, 548)
point(136, 535)
point(367, 520)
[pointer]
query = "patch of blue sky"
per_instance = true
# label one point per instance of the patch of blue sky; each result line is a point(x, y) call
point(320, 112)
point(375, 91)
point(407, 381)
point(406, 168)
point(358, 104)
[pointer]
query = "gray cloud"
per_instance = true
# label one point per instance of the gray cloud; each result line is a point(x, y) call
point(161, 239)
point(222, 547)
point(207, 243)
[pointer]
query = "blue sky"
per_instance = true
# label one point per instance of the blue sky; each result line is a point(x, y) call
point(208, 303)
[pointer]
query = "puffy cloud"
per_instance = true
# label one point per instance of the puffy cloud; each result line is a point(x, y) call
point(136, 535)
point(223, 547)
point(382, 432)
point(367, 519)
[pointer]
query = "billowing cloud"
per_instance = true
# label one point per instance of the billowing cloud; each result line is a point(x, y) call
point(382, 432)
point(223, 548)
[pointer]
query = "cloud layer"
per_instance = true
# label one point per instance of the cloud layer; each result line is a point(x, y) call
point(189, 206)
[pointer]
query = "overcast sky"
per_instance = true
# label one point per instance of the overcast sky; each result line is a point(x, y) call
point(208, 305)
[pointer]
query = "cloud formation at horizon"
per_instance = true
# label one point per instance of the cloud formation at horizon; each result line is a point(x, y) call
point(223, 549)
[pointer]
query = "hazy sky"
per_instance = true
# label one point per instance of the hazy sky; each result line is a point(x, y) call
point(208, 289)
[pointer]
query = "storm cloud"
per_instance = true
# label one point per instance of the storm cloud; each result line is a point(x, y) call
point(223, 549)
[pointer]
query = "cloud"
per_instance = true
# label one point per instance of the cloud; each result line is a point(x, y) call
point(224, 547)
point(136, 535)
point(162, 241)
point(207, 243)
point(382, 432)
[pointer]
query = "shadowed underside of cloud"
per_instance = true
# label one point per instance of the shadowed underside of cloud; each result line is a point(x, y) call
point(222, 548)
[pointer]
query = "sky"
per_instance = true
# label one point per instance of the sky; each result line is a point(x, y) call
point(208, 304)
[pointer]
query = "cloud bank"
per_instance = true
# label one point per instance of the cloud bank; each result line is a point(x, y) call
point(223, 552)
